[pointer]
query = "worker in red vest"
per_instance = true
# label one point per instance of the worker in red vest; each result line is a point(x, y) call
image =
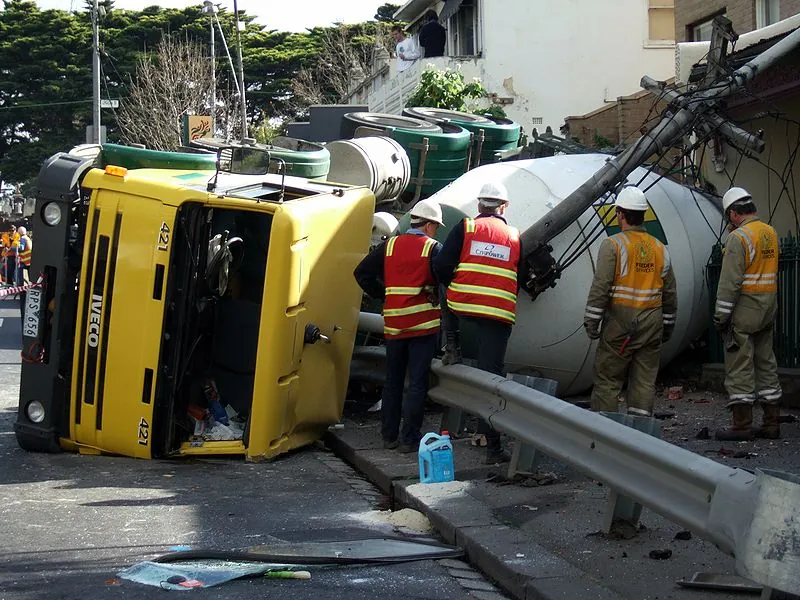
point(480, 264)
point(399, 271)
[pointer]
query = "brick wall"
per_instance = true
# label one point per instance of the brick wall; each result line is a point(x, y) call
point(741, 12)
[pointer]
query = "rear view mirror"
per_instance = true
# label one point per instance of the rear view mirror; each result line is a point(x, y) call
point(243, 161)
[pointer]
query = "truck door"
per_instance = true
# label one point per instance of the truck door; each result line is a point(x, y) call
point(300, 384)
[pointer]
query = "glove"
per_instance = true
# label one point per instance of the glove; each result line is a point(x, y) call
point(592, 329)
point(667, 333)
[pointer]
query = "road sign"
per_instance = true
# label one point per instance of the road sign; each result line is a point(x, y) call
point(108, 103)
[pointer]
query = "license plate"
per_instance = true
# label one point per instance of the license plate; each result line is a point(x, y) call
point(33, 307)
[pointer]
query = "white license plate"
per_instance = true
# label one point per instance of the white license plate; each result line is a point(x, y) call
point(33, 306)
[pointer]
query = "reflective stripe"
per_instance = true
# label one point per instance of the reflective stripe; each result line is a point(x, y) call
point(623, 255)
point(390, 246)
point(594, 314)
point(421, 327)
point(482, 291)
point(639, 297)
point(469, 225)
point(482, 310)
point(429, 243)
point(595, 310)
point(488, 270)
point(639, 411)
point(770, 394)
point(667, 262)
point(403, 291)
point(751, 249)
point(742, 397)
point(410, 310)
point(723, 303)
point(724, 311)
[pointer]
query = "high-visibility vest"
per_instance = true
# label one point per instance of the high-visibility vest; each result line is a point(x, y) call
point(13, 246)
point(760, 243)
point(485, 281)
point(25, 253)
point(642, 264)
point(407, 310)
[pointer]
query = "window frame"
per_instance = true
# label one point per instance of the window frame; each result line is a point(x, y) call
point(763, 9)
point(477, 31)
point(658, 5)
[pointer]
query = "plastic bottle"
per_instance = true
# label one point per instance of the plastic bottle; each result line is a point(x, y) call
point(436, 458)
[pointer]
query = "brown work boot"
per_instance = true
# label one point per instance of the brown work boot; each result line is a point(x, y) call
point(771, 425)
point(742, 421)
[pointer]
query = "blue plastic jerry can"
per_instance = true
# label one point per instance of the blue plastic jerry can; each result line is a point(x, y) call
point(436, 458)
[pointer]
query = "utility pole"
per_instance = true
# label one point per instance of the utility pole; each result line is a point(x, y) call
point(96, 139)
point(241, 72)
point(211, 11)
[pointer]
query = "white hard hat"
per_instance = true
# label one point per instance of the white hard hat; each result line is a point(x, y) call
point(493, 194)
point(735, 194)
point(631, 198)
point(22, 230)
point(383, 224)
point(427, 209)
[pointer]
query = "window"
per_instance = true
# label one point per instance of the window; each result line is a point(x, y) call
point(463, 29)
point(661, 20)
point(767, 12)
point(701, 32)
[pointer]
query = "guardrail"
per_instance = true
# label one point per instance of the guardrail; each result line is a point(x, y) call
point(752, 516)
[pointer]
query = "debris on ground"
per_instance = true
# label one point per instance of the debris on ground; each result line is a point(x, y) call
point(478, 440)
point(664, 415)
point(660, 554)
point(703, 434)
point(702, 401)
point(683, 535)
point(406, 519)
point(721, 451)
point(675, 392)
point(537, 479)
point(744, 454)
point(622, 530)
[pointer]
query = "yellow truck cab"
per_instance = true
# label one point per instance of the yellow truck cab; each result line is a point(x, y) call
point(168, 293)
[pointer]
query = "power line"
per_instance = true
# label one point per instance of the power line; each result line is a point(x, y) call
point(45, 104)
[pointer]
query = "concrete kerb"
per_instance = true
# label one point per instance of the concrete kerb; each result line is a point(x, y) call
point(524, 569)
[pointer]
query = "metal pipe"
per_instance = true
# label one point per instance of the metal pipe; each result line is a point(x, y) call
point(213, 78)
point(370, 322)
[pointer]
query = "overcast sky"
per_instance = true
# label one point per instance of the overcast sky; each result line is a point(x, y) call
point(291, 15)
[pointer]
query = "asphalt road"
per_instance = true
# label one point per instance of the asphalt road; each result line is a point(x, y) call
point(70, 523)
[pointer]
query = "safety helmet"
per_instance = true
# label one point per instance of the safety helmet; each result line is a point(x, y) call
point(631, 198)
point(428, 210)
point(22, 230)
point(383, 224)
point(493, 194)
point(735, 194)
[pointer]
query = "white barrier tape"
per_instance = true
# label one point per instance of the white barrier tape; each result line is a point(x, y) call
point(17, 289)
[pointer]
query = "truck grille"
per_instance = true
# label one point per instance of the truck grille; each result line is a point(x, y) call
point(96, 313)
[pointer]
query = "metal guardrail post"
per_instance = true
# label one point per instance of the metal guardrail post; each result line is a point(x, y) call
point(524, 457)
point(620, 507)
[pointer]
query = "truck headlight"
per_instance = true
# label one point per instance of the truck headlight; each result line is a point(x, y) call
point(51, 214)
point(35, 411)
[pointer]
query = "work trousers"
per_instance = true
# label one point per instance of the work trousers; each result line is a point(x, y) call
point(486, 342)
point(751, 371)
point(637, 364)
point(413, 356)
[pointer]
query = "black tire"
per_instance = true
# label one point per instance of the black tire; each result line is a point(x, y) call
point(354, 120)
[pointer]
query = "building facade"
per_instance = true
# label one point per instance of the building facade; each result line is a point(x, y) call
point(540, 60)
point(693, 17)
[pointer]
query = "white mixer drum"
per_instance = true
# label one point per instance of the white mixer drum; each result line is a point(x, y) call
point(378, 162)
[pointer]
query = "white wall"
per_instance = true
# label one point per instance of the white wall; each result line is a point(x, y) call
point(554, 58)
point(564, 58)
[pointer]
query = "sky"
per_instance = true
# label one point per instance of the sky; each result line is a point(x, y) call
point(283, 15)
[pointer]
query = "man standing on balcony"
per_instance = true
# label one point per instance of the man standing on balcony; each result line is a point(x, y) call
point(432, 35)
point(745, 314)
point(407, 49)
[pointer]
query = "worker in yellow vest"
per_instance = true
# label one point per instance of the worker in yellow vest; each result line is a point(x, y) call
point(634, 296)
point(399, 271)
point(745, 314)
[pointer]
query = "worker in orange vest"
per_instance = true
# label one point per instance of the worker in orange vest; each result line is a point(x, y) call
point(634, 295)
point(24, 256)
point(480, 264)
point(399, 271)
point(745, 315)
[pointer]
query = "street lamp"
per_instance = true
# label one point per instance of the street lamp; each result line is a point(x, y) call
point(211, 10)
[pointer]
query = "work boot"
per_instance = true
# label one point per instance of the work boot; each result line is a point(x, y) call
point(742, 421)
point(452, 348)
point(771, 425)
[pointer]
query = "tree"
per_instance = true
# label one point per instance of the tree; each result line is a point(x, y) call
point(172, 81)
point(445, 88)
point(385, 13)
